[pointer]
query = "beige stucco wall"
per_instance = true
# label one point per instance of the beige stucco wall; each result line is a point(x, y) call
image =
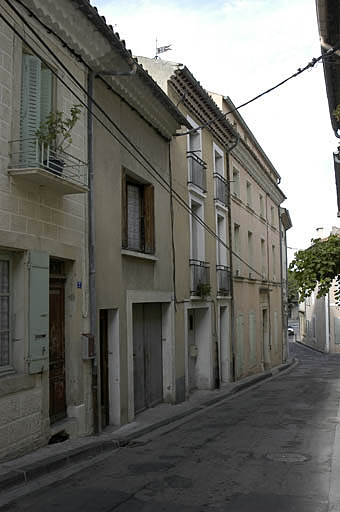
point(33, 217)
point(116, 272)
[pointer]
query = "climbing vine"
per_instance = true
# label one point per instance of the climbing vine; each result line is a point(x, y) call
point(318, 266)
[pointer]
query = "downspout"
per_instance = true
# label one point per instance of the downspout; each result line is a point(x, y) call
point(283, 309)
point(232, 309)
point(92, 263)
point(268, 287)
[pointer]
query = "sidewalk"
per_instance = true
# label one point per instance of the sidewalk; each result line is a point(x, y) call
point(54, 457)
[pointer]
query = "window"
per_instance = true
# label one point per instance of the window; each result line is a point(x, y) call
point(236, 182)
point(36, 99)
point(218, 162)
point(138, 226)
point(249, 198)
point(250, 250)
point(237, 248)
point(274, 261)
point(261, 206)
point(272, 215)
point(263, 258)
point(4, 312)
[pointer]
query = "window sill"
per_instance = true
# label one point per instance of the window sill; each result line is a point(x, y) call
point(140, 255)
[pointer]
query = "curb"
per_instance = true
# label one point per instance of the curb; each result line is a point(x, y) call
point(311, 348)
point(28, 472)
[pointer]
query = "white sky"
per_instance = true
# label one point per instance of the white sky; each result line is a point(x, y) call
point(240, 48)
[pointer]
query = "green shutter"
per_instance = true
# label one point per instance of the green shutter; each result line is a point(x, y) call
point(252, 338)
point(337, 330)
point(38, 311)
point(45, 94)
point(29, 108)
point(240, 343)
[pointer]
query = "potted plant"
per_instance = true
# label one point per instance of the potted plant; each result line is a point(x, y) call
point(55, 133)
point(203, 289)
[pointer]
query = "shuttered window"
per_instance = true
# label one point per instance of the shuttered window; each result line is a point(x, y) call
point(36, 103)
point(138, 224)
point(4, 313)
point(134, 218)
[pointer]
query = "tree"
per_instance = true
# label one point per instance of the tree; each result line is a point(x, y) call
point(318, 266)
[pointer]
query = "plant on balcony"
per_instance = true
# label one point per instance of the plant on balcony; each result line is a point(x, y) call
point(203, 290)
point(55, 133)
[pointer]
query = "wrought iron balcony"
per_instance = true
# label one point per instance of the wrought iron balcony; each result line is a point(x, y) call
point(223, 280)
point(221, 189)
point(197, 171)
point(40, 164)
point(200, 278)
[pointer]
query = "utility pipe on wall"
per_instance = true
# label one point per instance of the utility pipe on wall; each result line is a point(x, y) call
point(92, 262)
point(232, 309)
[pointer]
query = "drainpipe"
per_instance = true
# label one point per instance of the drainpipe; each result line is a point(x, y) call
point(232, 309)
point(268, 287)
point(283, 310)
point(92, 263)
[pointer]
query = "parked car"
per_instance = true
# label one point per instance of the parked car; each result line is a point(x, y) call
point(290, 331)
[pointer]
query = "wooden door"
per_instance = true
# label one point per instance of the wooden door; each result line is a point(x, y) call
point(104, 368)
point(153, 353)
point(57, 350)
point(147, 355)
point(192, 356)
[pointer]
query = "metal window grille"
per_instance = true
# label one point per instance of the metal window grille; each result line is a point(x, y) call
point(4, 313)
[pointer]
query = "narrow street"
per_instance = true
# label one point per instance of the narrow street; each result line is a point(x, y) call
point(268, 449)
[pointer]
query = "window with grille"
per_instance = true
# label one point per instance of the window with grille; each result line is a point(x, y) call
point(4, 313)
point(138, 230)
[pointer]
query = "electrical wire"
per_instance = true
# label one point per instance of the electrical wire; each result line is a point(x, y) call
point(163, 183)
point(308, 67)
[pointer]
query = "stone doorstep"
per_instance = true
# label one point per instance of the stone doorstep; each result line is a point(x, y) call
point(22, 470)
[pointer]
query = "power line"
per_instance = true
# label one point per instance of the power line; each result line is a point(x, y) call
point(163, 183)
point(309, 66)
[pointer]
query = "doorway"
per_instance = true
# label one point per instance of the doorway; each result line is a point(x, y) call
point(57, 382)
point(265, 340)
point(147, 355)
point(104, 368)
point(224, 344)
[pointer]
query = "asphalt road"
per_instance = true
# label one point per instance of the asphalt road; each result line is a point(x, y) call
point(271, 448)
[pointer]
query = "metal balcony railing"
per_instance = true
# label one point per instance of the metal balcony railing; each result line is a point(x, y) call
point(200, 278)
point(223, 280)
point(221, 190)
point(197, 171)
point(30, 154)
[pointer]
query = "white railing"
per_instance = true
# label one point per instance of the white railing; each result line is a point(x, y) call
point(30, 154)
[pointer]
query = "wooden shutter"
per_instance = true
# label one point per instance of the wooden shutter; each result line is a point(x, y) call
point(124, 211)
point(38, 311)
point(29, 108)
point(149, 219)
point(45, 94)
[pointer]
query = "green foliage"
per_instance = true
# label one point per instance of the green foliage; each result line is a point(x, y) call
point(293, 288)
point(318, 266)
point(56, 130)
point(203, 290)
point(336, 113)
